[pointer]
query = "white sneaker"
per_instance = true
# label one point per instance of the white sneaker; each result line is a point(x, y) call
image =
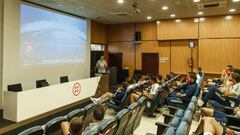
point(94, 100)
point(200, 103)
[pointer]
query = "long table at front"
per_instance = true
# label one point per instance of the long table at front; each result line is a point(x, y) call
point(19, 106)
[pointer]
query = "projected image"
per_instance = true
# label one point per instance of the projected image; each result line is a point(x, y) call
point(51, 38)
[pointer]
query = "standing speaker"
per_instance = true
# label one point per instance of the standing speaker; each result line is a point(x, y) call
point(138, 36)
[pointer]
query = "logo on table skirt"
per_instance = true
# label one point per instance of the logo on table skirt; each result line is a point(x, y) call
point(76, 89)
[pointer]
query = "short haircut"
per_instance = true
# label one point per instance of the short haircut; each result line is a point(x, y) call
point(154, 78)
point(98, 112)
point(230, 66)
point(159, 77)
point(125, 85)
point(236, 77)
point(76, 126)
point(199, 69)
point(193, 76)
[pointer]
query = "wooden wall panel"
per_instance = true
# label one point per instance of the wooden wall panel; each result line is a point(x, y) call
point(127, 50)
point(148, 30)
point(98, 33)
point(120, 32)
point(180, 53)
point(162, 48)
point(220, 27)
point(170, 30)
point(215, 54)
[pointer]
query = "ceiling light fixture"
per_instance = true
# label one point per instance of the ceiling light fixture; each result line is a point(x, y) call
point(149, 17)
point(196, 0)
point(120, 1)
point(201, 19)
point(158, 22)
point(178, 20)
point(172, 15)
point(236, 0)
point(200, 13)
point(229, 17)
point(164, 8)
point(232, 10)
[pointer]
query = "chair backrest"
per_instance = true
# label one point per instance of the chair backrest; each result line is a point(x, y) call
point(183, 128)
point(191, 106)
point(108, 127)
point(187, 116)
point(64, 79)
point(53, 127)
point(15, 87)
point(122, 118)
point(169, 131)
point(36, 130)
point(93, 131)
point(126, 99)
point(175, 122)
point(88, 110)
point(143, 103)
point(75, 113)
point(134, 109)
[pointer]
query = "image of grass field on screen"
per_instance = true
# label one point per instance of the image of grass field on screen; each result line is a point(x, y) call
point(51, 38)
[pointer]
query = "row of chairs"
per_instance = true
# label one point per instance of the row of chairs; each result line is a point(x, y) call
point(124, 123)
point(53, 127)
point(178, 121)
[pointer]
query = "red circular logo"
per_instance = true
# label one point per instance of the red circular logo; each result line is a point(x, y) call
point(76, 89)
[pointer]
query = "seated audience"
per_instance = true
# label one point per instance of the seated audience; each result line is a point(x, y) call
point(118, 95)
point(218, 94)
point(184, 92)
point(149, 92)
point(98, 117)
point(159, 79)
point(75, 126)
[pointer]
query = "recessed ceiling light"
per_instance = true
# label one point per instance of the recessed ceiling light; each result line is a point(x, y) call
point(196, 0)
point(172, 15)
point(236, 0)
point(120, 1)
point(229, 17)
point(164, 8)
point(149, 17)
point(200, 13)
point(202, 19)
point(178, 20)
point(232, 10)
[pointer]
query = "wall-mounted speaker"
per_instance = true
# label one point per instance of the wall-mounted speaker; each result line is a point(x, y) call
point(138, 36)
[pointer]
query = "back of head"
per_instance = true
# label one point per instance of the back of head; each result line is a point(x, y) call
point(236, 77)
point(125, 85)
point(76, 126)
point(192, 75)
point(98, 112)
point(154, 78)
point(199, 69)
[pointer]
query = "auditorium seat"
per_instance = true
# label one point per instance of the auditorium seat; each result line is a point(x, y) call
point(93, 131)
point(53, 127)
point(134, 109)
point(183, 128)
point(75, 113)
point(37, 130)
point(119, 105)
point(122, 118)
point(108, 127)
point(88, 110)
point(143, 103)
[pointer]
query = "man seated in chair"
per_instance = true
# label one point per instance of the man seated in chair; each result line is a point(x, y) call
point(98, 117)
point(218, 94)
point(149, 93)
point(183, 94)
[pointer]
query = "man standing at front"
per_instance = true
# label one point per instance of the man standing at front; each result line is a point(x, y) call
point(101, 65)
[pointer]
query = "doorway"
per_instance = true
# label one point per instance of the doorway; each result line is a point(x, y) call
point(115, 60)
point(150, 63)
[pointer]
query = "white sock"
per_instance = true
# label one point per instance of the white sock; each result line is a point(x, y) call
point(207, 133)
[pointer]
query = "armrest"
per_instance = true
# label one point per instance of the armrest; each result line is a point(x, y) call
point(234, 128)
point(161, 127)
point(229, 110)
point(167, 117)
point(173, 109)
point(232, 99)
point(233, 120)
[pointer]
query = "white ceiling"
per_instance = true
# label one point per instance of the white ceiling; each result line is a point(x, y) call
point(104, 10)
